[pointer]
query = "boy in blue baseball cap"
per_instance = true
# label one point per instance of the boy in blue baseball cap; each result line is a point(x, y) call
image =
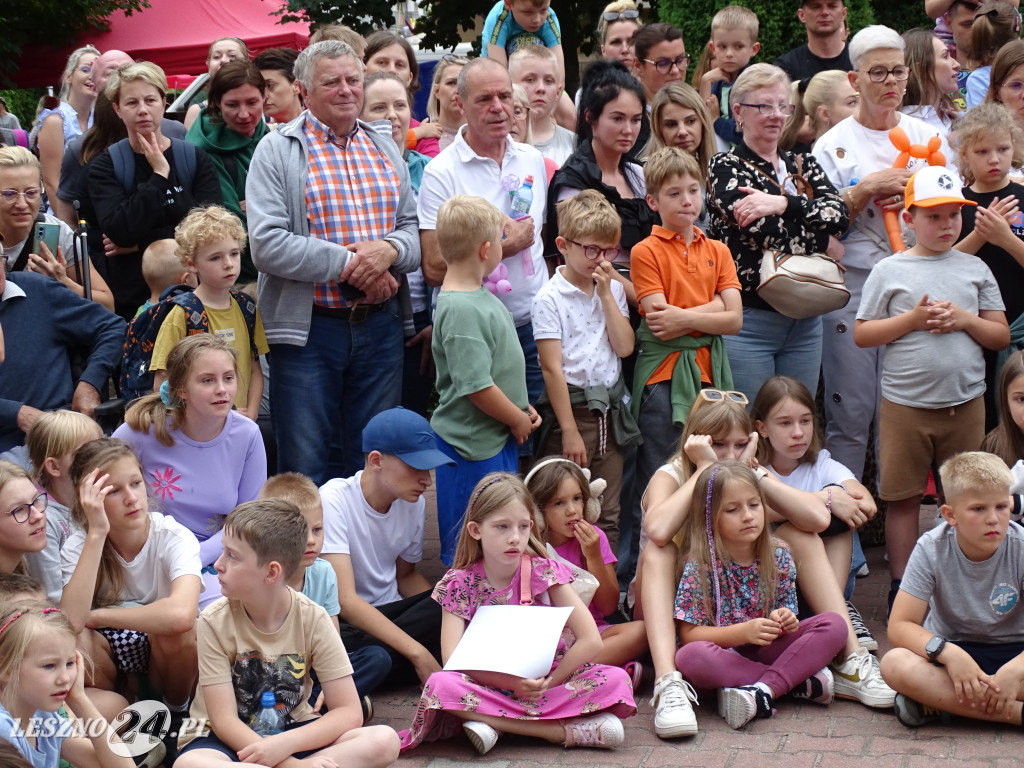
point(373, 538)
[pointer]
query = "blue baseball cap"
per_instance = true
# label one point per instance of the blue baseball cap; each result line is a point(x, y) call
point(405, 434)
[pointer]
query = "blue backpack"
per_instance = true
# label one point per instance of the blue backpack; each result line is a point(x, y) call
point(136, 379)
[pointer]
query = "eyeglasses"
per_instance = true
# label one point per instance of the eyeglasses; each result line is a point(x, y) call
point(10, 196)
point(664, 66)
point(881, 74)
point(631, 13)
point(719, 395)
point(518, 111)
point(768, 110)
point(1015, 87)
point(593, 252)
point(21, 512)
point(451, 58)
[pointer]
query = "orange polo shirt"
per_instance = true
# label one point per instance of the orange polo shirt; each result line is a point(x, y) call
point(688, 275)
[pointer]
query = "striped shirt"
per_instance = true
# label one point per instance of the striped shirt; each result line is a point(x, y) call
point(352, 193)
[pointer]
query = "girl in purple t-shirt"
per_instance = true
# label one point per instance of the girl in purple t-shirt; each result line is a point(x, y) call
point(200, 458)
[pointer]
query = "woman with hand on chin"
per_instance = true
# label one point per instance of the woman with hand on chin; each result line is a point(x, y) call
point(154, 194)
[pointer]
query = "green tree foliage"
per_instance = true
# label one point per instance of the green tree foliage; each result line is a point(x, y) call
point(23, 104)
point(363, 15)
point(59, 22)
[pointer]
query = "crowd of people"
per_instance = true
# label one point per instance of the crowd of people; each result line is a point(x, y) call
point(625, 420)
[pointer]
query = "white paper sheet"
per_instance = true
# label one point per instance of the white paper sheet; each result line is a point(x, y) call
point(515, 639)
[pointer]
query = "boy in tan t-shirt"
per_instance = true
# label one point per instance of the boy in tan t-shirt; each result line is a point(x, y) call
point(263, 637)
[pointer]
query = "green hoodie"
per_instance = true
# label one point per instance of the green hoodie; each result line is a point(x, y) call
point(231, 153)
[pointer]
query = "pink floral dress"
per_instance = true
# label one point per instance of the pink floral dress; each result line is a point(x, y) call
point(591, 688)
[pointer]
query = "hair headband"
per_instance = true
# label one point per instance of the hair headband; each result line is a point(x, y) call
point(496, 479)
point(19, 614)
point(596, 487)
point(711, 546)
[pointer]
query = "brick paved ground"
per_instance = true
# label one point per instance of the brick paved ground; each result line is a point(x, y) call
point(801, 735)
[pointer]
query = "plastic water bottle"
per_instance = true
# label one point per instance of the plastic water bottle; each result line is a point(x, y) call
point(268, 721)
point(522, 199)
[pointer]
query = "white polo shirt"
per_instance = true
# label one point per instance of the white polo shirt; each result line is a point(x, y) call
point(562, 311)
point(460, 170)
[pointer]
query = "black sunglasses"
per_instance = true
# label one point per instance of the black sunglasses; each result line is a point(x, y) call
point(631, 13)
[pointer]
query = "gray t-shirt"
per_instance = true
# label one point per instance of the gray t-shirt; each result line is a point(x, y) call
point(559, 146)
point(923, 369)
point(969, 601)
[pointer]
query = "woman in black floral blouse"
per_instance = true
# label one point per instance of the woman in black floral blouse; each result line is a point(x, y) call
point(755, 204)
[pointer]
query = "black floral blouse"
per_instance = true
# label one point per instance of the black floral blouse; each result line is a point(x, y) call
point(804, 227)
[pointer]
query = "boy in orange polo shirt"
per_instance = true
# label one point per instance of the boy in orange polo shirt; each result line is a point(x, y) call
point(689, 296)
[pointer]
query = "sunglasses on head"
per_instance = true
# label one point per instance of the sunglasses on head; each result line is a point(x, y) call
point(718, 396)
point(631, 13)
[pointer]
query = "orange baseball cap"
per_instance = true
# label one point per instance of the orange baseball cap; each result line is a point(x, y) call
point(934, 185)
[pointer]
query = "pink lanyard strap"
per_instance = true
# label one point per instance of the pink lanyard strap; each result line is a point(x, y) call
point(525, 572)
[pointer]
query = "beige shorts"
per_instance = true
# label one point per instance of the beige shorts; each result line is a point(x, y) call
point(911, 439)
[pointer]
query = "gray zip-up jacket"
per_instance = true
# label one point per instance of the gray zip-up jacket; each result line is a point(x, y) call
point(289, 260)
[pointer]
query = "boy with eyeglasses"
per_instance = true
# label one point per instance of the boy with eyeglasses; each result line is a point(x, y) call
point(689, 297)
point(581, 324)
point(734, 32)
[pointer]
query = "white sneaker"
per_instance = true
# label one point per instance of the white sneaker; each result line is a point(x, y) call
point(602, 731)
point(673, 715)
point(483, 736)
point(859, 678)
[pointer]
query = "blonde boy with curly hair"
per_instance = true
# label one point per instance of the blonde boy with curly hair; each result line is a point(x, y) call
point(210, 242)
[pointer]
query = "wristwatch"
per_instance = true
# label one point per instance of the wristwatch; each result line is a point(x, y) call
point(935, 647)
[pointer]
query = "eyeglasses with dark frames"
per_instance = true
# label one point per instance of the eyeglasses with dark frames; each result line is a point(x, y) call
point(21, 512)
point(664, 66)
point(900, 72)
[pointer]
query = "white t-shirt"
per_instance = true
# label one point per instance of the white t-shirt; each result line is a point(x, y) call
point(562, 311)
point(849, 151)
point(170, 551)
point(373, 541)
point(813, 476)
point(460, 170)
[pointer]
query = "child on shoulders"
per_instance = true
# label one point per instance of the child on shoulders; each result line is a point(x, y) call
point(957, 626)
point(734, 31)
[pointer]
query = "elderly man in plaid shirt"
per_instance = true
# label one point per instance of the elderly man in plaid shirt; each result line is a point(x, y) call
point(333, 227)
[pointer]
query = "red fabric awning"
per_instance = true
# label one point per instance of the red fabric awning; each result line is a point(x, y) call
point(175, 34)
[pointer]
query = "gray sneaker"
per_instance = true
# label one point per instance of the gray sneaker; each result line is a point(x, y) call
point(914, 714)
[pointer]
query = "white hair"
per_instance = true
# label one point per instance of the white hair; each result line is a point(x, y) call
point(325, 49)
point(874, 38)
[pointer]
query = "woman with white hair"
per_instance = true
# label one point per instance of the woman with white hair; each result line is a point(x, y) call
point(858, 156)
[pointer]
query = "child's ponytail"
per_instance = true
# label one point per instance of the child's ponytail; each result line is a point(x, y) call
point(165, 410)
point(996, 23)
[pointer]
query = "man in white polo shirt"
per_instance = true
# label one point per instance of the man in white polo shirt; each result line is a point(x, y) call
point(483, 160)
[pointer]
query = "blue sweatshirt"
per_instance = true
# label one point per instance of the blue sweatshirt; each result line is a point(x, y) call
point(41, 329)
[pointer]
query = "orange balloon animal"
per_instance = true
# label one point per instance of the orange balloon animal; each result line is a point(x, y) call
point(929, 151)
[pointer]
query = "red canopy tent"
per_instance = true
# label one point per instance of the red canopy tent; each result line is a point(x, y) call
point(175, 34)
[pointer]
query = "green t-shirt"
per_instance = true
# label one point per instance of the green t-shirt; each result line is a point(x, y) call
point(475, 345)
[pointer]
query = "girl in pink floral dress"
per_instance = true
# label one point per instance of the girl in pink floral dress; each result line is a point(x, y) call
point(577, 703)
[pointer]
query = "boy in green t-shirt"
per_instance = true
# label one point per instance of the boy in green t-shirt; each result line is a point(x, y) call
point(483, 413)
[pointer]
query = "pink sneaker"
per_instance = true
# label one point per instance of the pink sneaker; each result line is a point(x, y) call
point(635, 670)
point(603, 731)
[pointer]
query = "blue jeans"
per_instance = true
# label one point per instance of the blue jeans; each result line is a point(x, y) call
point(347, 373)
point(456, 483)
point(771, 344)
point(534, 376)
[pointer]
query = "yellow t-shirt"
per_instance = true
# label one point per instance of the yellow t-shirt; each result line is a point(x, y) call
point(232, 650)
point(229, 324)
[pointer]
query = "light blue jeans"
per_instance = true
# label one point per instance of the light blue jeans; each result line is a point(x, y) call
point(771, 344)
